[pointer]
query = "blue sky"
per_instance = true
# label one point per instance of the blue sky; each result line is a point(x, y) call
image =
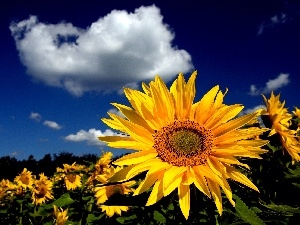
point(62, 64)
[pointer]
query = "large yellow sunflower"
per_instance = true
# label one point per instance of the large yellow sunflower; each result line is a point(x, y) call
point(42, 190)
point(181, 143)
point(25, 179)
point(281, 120)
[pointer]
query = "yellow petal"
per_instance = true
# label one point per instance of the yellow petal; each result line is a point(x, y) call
point(132, 116)
point(184, 199)
point(156, 194)
point(135, 158)
point(239, 177)
point(175, 184)
point(234, 124)
point(216, 194)
point(223, 115)
point(136, 131)
point(133, 170)
point(203, 106)
point(148, 182)
point(172, 174)
point(124, 142)
point(227, 158)
point(143, 104)
point(162, 100)
point(200, 182)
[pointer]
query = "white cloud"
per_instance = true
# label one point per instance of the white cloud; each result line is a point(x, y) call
point(35, 116)
point(120, 48)
point(116, 111)
point(251, 110)
point(52, 125)
point(90, 136)
point(272, 85)
point(273, 21)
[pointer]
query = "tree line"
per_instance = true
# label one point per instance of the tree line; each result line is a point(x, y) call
point(10, 167)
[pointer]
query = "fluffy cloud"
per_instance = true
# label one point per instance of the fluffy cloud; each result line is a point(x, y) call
point(35, 116)
point(273, 21)
point(271, 85)
point(251, 110)
point(116, 111)
point(52, 125)
point(90, 136)
point(119, 49)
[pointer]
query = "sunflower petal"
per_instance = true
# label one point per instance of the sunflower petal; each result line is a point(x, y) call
point(234, 124)
point(200, 183)
point(239, 177)
point(148, 182)
point(132, 116)
point(133, 170)
point(123, 142)
point(172, 174)
point(135, 158)
point(184, 199)
point(156, 194)
point(203, 106)
point(216, 194)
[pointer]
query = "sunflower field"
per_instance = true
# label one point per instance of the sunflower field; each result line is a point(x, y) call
point(193, 162)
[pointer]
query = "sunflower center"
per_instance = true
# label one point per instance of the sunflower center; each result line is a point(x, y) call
point(71, 178)
point(41, 190)
point(24, 179)
point(184, 143)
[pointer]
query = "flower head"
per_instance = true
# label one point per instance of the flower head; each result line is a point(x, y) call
point(180, 142)
point(42, 190)
point(280, 121)
point(70, 175)
point(25, 179)
point(102, 169)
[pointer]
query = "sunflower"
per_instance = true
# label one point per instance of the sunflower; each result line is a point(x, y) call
point(281, 120)
point(72, 181)
point(6, 188)
point(102, 169)
point(111, 210)
point(181, 143)
point(297, 112)
point(25, 179)
point(70, 175)
point(60, 215)
point(102, 193)
point(42, 190)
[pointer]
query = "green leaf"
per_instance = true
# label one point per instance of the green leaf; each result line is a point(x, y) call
point(91, 218)
point(159, 217)
point(297, 185)
point(245, 213)
point(274, 149)
point(4, 211)
point(283, 208)
point(121, 220)
point(171, 207)
point(64, 200)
